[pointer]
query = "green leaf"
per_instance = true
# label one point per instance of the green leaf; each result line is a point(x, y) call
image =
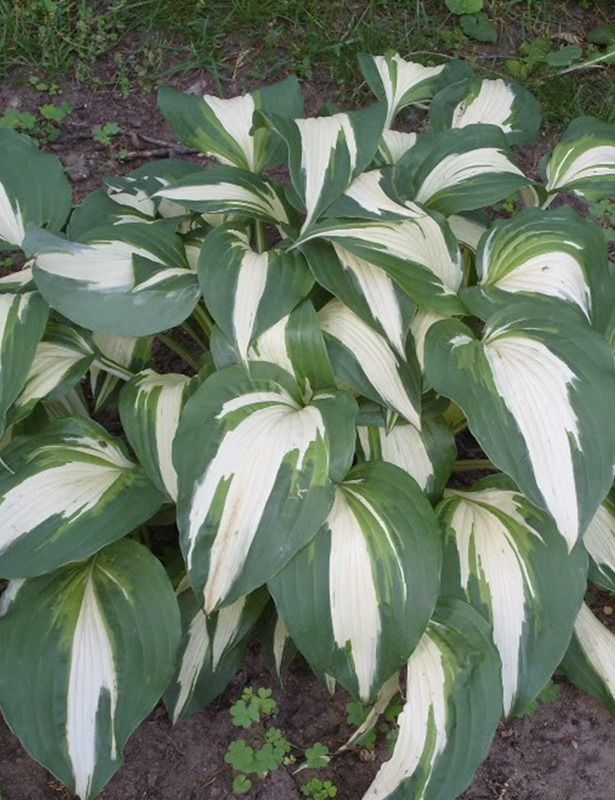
point(357, 599)
point(451, 712)
point(464, 6)
point(211, 651)
point(317, 756)
point(106, 631)
point(241, 784)
point(543, 254)
point(564, 56)
point(479, 27)
point(223, 128)
point(590, 660)
point(599, 541)
point(325, 154)
point(459, 169)
point(248, 292)
point(23, 318)
point(535, 391)
point(602, 35)
point(490, 102)
point(241, 756)
point(364, 361)
point(507, 559)
point(420, 255)
point(33, 188)
point(255, 466)
point(127, 280)
point(584, 160)
point(89, 493)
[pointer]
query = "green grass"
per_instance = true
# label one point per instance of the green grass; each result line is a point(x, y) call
point(261, 40)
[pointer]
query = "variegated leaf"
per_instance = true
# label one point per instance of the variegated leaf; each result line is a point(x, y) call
point(468, 231)
point(357, 599)
point(95, 643)
point(279, 648)
point(223, 128)
point(366, 289)
point(224, 190)
point(393, 145)
point(33, 188)
point(427, 455)
point(61, 359)
point(419, 326)
point(256, 466)
point(211, 651)
point(18, 282)
point(126, 351)
point(554, 254)
point(536, 392)
point(399, 83)
point(88, 494)
point(476, 101)
point(295, 344)
point(506, 559)
point(584, 160)
point(247, 292)
point(128, 280)
point(372, 195)
point(150, 407)
point(453, 706)
point(23, 318)
point(364, 361)
point(421, 255)
point(599, 541)
point(387, 692)
point(459, 169)
point(325, 154)
point(590, 660)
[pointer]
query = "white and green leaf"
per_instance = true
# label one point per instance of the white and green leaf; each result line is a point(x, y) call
point(34, 190)
point(223, 128)
point(584, 160)
point(211, 651)
point(590, 660)
point(507, 559)
point(357, 599)
point(88, 494)
point(129, 280)
point(364, 361)
point(550, 254)
point(460, 169)
point(150, 408)
point(453, 706)
point(421, 255)
point(533, 392)
point(96, 644)
point(477, 101)
point(599, 541)
point(325, 154)
point(393, 145)
point(248, 292)
point(126, 351)
point(256, 466)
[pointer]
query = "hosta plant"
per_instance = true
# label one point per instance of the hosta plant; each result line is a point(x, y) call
point(349, 304)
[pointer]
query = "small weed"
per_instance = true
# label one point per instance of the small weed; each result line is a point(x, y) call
point(548, 695)
point(319, 790)
point(18, 120)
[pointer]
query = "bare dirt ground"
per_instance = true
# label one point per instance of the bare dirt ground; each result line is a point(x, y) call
point(565, 751)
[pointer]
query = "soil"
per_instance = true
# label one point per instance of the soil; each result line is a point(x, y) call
point(564, 751)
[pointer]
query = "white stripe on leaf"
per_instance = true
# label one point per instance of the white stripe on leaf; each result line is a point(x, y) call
point(92, 681)
point(535, 387)
point(591, 163)
point(404, 447)
point(419, 326)
point(422, 723)
point(247, 463)
point(395, 144)
point(373, 354)
point(319, 140)
point(235, 116)
point(227, 625)
point(398, 77)
point(599, 539)
point(355, 613)
point(192, 661)
point(12, 228)
point(492, 105)
point(367, 192)
point(458, 168)
point(598, 645)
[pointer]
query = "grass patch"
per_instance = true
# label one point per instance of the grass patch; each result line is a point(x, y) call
point(261, 40)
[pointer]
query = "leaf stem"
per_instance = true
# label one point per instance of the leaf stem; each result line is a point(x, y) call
point(112, 367)
point(469, 464)
point(179, 350)
point(203, 319)
point(261, 239)
point(548, 201)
